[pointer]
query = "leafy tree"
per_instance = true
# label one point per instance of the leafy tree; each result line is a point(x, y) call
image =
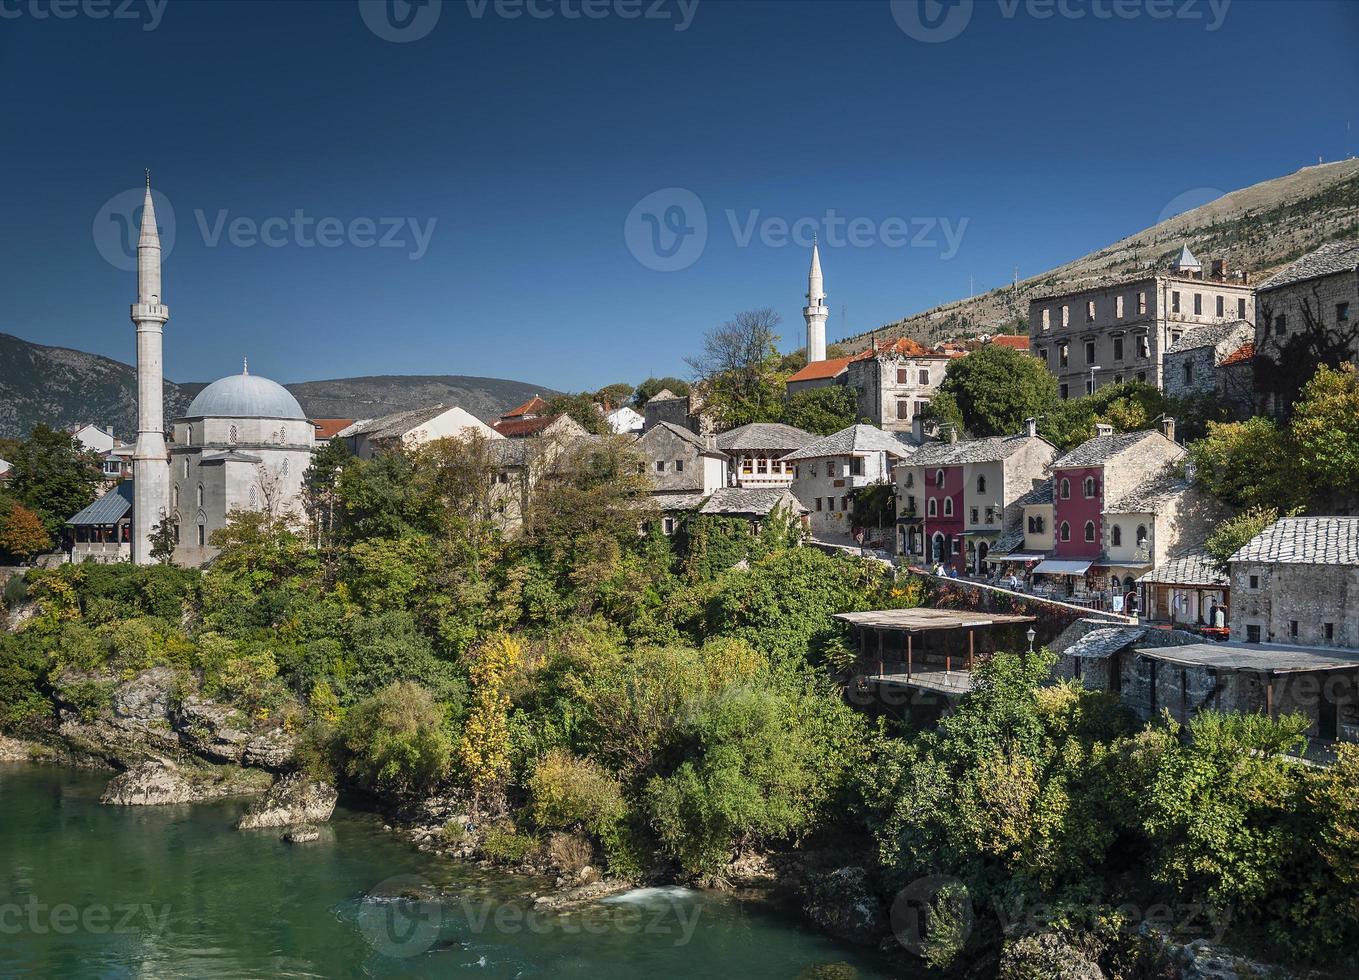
point(485, 747)
point(996, 388)
point(613, 396)
point(584, 409)
point(569, 792)
point(1247, 464)
point(321, 496)
point(396, 740)
point(163, 542)
point(1232, 534)
point(22, 534)
point(1325, 434)
point(821, 410)
point(738, 369)
point(652, 387)
point(52, 475)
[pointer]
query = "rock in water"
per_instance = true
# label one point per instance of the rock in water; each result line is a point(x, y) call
point(156, 783)
point(302, 835)
point(294, 799)
point(843, 903)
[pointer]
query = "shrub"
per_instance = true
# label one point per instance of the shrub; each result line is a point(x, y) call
point(570, 853)
point(569, 792)
point(397, 740)
point(502, 843)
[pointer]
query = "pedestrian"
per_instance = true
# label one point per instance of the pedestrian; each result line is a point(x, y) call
point(1014, 582)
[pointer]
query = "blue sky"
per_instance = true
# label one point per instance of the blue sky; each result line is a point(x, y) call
point(511, 164)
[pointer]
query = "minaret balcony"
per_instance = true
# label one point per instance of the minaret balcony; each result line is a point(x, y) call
point(150, 311)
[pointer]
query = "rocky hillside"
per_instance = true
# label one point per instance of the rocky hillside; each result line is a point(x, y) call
point(1258, 228)
point(63, 387)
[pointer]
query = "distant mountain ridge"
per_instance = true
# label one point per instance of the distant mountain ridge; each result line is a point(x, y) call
point(61, 386)
point(1259, 228)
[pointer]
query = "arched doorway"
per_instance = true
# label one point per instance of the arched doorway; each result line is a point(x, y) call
point(983, 550)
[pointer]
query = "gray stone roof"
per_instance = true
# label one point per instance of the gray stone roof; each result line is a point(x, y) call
point(1041, 494)
point(1191, 568)
point(229, 456)
point(1012, 541)
point(852, 441)
point(764, 435)
point(1331, 258)
point(677, 501)
point(687, 435)
point(1208, 335)
point(396, 424)
point(988, 450)
point(1305, 541)
point(758, 501)
point(1105, 642)
point(1100, 449)
point(1147, 497)
point(108, 509)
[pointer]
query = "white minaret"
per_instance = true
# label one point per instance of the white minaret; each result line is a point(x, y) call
point(150, 468)
point(815, 312)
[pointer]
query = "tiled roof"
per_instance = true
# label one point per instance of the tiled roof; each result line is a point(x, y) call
point(1305, 541)
point(1006, 544)
point(534, 406)
point(764, 435)
point(1147, 497)
point(1105, 642)
point(901, 347)
point(519, 428)
point(820, 370)
point(1100, 449)
point(1242, 355)
point(756, 501)
point(686, 435)
point(396, 424)
point(1018, 342)
point(108, 509)
point(1208, 335)
point(1331, 258)
point(1041, 494)
point(1191, 568)
point(682, 500)
point(852, 440)
point(327, 429)
point(988, 450)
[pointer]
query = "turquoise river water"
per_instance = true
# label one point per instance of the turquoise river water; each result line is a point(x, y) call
point(88, 890)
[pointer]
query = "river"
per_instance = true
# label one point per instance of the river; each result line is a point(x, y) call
point(88, 890)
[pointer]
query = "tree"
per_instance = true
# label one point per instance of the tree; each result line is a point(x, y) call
point(738, 369)
point(321, 496)
point(996, 388)
point(1232, 534)
point(485, 747)
point(821, 410)
point(613, 396)
point(652, 387)
point(22, 533)
point(396, 740)
point(583, 409)
point(1247, 464)
point(163, 542)
point(53, 476)
point(1284, 367)
point(1325, 434)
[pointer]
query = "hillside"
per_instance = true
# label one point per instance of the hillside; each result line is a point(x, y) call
point(1258, 228)
point(62, 387)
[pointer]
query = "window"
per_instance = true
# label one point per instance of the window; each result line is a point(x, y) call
point(1090, 530)
point(1175, 301)
point(1175, 336)
point(284, 468)
point(903, 409)
point(910, 503)
point(667, 526)
point(1066, 531)
point(252, 498)
point(1241, 308)
point(1142, 376)
point(981, 482)
point(1089, 352)
point(1118, 348)
point(938, 478)
point(231, 435)
point(1066, 315)
point(660, 466)
point(1342, 312)
point(990, 515)
point(1090, 311)
point(1252, 634)
point(844, 502)
point(1116, 536)
point(1090, 386)
point(1065, 486)
point(924, 376)
point(1062, 390)
point(856, 466)
point(762, 465)
point(1293, 628)
point(1330, 631)
point(818, 503)
point(932, 508)
point(1118, 379)
point(1143, 345)
point(1188, 372)
point(679, 466)
point(1280, 325)
point(1141, 535)
point(176, 526)
point(1063, 355)
point(910, 479)
point(202, 535)
point(1141, 302)
point(1198, 304)
point(186, 466)
point(948, 506)
point(976, 516)
point(1255, 581)
point(1047, 320)
point(903, 376)
point(1118, 307)
point(920, 407)
point(1221, 305)
point(200, 495)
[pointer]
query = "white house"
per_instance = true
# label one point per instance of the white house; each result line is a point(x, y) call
point(625, 420)
point(828, 471)
point(405, 430)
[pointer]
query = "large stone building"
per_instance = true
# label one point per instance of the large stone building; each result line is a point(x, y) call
point(684, 469)
point(829, 471)
point(1214, 362)
point(1121, 331)
point(894, 382)
point(757, 452)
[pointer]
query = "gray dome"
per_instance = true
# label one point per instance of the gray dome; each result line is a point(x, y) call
point(244, 396)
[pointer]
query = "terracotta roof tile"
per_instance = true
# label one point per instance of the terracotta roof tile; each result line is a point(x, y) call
point(327, 429)
point(1011, 340)
point(534, 406)
point(518, 428)
point(819, 370)
point(1244, 353)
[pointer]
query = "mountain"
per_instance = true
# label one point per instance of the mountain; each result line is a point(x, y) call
point(1259, 229)
point(63, 387)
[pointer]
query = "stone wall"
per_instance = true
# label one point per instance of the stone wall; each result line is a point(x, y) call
point(1310, 595)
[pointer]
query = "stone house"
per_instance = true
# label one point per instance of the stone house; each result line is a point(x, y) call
point(409, 429)
point(1186, 590)
point(1159, 518)
point(684, 468)
point(828, 471)
point(1214, 361)
point(1297, 582)
point(757, 452)
point(754, 504)
point(894, 382)
point(956, 500)
point(102, 532)
point(818, 374)
point(1120, 331)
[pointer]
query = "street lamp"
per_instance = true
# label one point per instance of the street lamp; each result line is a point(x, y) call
point(1093, 369)
point(1031, 634)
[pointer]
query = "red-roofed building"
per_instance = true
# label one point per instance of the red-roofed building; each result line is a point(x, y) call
point(895, 381)
point(536, 425)
point(1013, 341)
point(532, 408)
point(327, 429)
point(819, 374)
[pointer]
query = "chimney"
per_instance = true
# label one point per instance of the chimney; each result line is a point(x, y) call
point(1103, 429)
point(1168, 428)
point(1031, 427)
point(918, 429)
point(1219, 268)
point(952, 433)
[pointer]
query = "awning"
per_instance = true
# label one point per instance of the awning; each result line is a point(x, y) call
point(1017, 556)
point(1056, 566)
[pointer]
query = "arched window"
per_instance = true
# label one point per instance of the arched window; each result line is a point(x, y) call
point(231, 435)
point(189, 436)
point(252, 498)
point(186, 465)
point(1089, 486)
point(1141, 535)
point(910, 478)
point(283, 470)
point(981, 483)
point(200, 495)
point(1066, 531)
point(1090, 530)
point(176, 497)
point(948, 506)
point(1066, 488)
point(932, 507)
point(937, 546)
point(1116, 535)
point(938, 478)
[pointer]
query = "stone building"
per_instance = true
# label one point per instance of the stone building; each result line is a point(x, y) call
point(1120, 331)
point(684, 468)
point(1156, 519)
point(757, 452)
point(894, 382)
point(1297, 582)
point(754, 504)
point(956, 500)
point(416, 427)
point(1187, 589)
point(1215, 362)
point(829, 471)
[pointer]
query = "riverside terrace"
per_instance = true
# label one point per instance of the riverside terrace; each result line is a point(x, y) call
point(939, 646)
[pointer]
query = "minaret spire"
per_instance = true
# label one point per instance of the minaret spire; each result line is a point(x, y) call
point(816, 311)
point(151, 468)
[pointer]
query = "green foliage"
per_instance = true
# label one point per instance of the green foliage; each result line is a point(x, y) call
point(822, 411)
point(163, 542)
point(569, 792)
point(397, 740)
point(1229, 536)
point(995, 388)
point(52, 475)
point(24, 705)
point(875, 506)
point(584, 409)
point(1325, 434)
point(503, 844)
point(1247, 464)
point(652, 387)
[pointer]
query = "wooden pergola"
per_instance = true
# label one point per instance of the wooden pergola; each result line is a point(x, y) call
point(911, 622)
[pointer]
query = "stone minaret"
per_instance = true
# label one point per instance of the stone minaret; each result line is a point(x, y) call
point(815, 312)
point(150, 468)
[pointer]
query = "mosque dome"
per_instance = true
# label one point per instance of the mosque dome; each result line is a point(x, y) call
point(244, 396)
